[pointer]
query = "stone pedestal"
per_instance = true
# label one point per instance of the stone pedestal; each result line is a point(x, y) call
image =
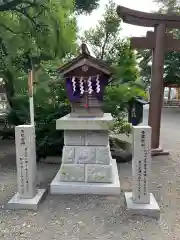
point(141, 201)
point(87, 166)
point(28, 197)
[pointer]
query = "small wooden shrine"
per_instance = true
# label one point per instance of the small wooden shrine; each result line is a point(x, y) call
point(86, 78)
point(87, 165)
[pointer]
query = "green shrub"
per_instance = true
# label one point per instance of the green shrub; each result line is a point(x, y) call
point(49, 141)
point(116, 102)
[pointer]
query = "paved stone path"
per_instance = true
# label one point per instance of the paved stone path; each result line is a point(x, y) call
point(94, 217)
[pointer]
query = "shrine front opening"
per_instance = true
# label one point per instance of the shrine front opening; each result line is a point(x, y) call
point(159, 42)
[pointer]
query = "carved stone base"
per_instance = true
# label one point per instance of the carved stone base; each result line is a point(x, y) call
point(86, 173)
point(57, 187)
point(86, 157)
point(86, 164)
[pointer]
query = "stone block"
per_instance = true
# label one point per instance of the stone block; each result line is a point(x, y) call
point(74, 138)
point(103, 155)
point(68, 154)
point(85, 155)
point(72, 173)
point(97, 138)
point(98, 173)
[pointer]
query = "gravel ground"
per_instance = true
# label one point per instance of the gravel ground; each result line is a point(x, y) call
point(94, 217)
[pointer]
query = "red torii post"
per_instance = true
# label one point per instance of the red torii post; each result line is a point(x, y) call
point(159, 42)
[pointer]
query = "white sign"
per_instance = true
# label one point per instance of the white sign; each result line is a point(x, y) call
point(26, 160)
point(141, 164)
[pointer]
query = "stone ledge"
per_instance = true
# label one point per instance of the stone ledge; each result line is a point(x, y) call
point(84, 123)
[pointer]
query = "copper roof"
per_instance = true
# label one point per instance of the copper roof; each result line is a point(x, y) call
point(84, 55)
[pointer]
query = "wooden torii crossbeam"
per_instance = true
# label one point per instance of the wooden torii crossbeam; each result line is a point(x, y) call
point(159, 42)
point(149, 42)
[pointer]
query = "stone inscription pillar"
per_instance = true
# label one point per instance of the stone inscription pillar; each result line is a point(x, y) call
point(26, 160)
point(141, 201)
point(28, 196)
point(141, 164)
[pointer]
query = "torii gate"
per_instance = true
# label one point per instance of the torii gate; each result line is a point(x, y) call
point(160, 42)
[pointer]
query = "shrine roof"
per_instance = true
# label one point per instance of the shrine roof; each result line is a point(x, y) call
point(148, 19)
point(85, 59)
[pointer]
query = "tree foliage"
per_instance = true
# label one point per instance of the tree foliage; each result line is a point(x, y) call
point(104, 35)
point(86, 6)
point(34, 30)
point(106, 44)
point(31, 32)
point(50, 103)
point(125, 63)
point(145, 59)
point(172, 59)
point(168, 6)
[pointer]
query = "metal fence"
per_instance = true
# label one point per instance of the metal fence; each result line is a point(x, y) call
point(171, 103)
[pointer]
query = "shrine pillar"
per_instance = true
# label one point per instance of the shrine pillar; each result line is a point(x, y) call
point(169, 93)
point(178, 93)
point(157, 85)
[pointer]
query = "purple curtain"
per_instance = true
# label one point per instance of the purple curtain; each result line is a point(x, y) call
point(75, 96)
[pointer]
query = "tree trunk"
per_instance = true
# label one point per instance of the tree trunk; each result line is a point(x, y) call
point(9, 86)
point(104, 46)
